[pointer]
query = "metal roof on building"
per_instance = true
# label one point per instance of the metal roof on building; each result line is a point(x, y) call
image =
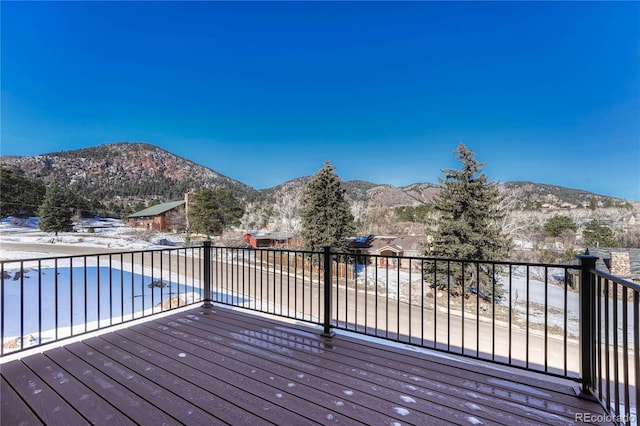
point(157, 209)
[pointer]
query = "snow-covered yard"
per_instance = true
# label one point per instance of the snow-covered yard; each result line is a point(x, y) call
point(95, 232)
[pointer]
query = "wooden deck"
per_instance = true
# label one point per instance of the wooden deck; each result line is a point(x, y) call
point(222, 366)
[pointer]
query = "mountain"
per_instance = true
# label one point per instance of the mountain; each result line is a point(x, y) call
point(117, 177)
point(530, 194)
point(124, 174)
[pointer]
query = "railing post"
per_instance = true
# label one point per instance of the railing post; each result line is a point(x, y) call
point(587, 324)
point(327, 292)
point(207, 274)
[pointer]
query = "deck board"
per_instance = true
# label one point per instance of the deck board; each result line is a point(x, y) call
point(12, 411)
point(87, 402)
point(45, 403)
point(227, 366)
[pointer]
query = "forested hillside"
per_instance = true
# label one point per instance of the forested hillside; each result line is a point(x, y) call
point(119, 178)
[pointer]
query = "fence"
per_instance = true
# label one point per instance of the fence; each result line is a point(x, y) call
point(611, 344)
point(569, 321)
point(49, 299)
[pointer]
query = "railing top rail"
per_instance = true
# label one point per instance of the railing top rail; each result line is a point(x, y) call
point(446, 259)
point(271, 249)
point(94, 254)
point(307, 252)
point(616, 279)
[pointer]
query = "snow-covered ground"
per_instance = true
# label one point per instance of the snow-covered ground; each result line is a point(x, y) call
point(94, 232)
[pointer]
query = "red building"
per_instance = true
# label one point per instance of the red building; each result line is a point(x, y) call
point(270, 239)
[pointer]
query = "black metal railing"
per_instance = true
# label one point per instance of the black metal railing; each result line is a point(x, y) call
point(49, 299)
point(516, 314)
point(610, 355)
point(569, 321)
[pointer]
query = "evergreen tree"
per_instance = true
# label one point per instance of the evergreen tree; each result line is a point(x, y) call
point(56, 211)
point(469, 228)
point(599, 235)
point(326, 218)
point(20, 196)
point(559, 224)
point(213, 211)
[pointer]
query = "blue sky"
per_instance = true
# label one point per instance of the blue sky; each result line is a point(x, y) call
point(265, 92)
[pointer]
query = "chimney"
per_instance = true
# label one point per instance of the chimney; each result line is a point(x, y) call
point(187, 202)
point(620, 266)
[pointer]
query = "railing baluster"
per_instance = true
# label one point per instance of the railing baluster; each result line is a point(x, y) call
point(526, 364)
point(636, 346)
point(398, 297)
point(133, 270)
point(365, 270)
point(625, 350)
point(462, 324)
point(328, 285)
point(39, 302)
point(598, 342)
point(477, 309)
point(616, 377)
point(511, 313)
point(295, 287)
point(206, 271)
point(546, 318)
point(110, 290)
point(493, 312)
point(565, 322)
point(55, 286)
point(607, 348)
point(142, 283)
point(410, 304)
point(71, 294)
point(21, 305)
point(122, 287)
point(448, 306)
point(435, 303)
point(3, 311)
point(98, 292)
point(376, 294)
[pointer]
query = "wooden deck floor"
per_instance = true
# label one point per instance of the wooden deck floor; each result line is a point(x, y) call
point(223, 366)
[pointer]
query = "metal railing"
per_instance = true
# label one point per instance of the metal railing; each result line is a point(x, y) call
point(610, 357)
point(515, 314)
point(49, 299)
point(568, 321)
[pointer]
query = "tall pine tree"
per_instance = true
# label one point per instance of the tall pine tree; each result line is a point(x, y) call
point(468, 228)
point(19, 195)
point(326, 217)
point(214, 210)
point(56, 210)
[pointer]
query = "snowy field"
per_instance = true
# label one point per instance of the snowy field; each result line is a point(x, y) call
point(96, 232)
